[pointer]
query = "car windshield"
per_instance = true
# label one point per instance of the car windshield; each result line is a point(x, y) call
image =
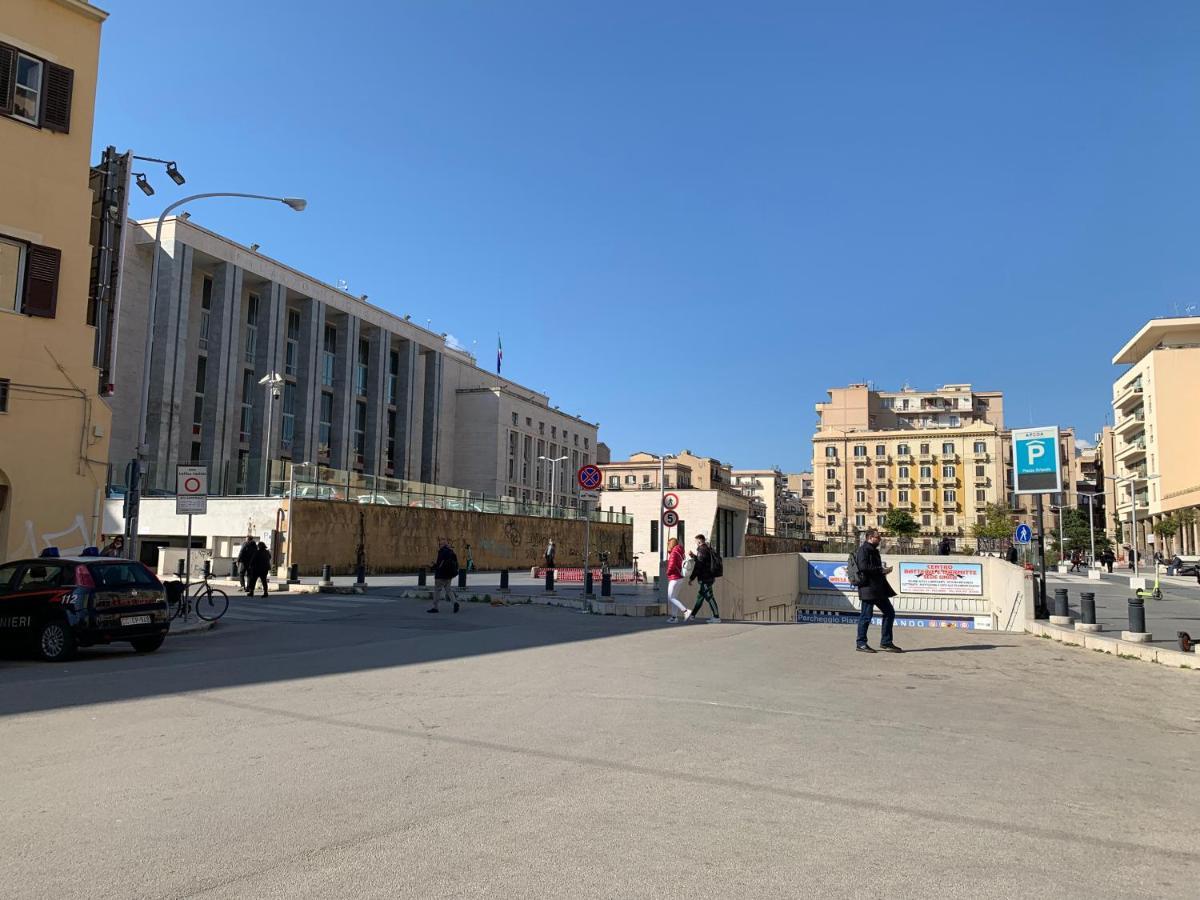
point(121, 575)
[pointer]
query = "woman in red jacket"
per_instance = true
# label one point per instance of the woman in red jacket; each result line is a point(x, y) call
point(675, 581)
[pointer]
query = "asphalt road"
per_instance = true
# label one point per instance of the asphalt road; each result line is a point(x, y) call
point(359, 747)
point(1178, 610)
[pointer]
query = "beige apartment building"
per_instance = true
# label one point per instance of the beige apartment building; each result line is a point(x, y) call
point(54, 426)
point(937, 454)
point(776, 509)
point(801, 485)
point(1156, 433)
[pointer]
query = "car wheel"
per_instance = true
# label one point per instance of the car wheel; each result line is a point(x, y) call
point(148, 644)
point(55, 642)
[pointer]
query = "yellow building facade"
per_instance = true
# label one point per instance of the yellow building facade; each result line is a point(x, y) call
point(53, 424)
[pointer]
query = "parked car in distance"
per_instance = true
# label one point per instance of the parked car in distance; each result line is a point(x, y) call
point(316, 492)
point(54, 604)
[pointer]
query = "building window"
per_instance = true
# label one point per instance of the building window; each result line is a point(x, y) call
point(390, 448)
point(881, 472)
point(27, 93)
point(926, 520)
point(195, 458)
point(881, 496)
point(541, 427)
point(948, 448)
point(198, 401)
point(980, 447)
point(631, 479)
point(926, 472)
point(587, 444)
point(924, 449)
point(287, 428)
point(515, 422)
point(831, 451)
point(887, 402)
point(949, 496)
point(528, 421)
point(860, 520)
point(831, 521)
point(903, 473)
point(955, 421)
point(360, 375)
point(325, 426)
point(206, 289)
point(902, 449)
point(879, 519)
point(880, 450)
point(251, 328)
point(831, 473)
point(949, 519)
point(4, 382)
point(328, 355)
point(925, 496)
point(653, 535)
point(831, 496)
point(394, 377)
point(947, 471)
point(12, 273)
point(614, 482)
point(292, 351)
point(980, 472)
point(860, 449)
point(360, 432)
point(247, 403)
point(981, 496)
point(902, 496)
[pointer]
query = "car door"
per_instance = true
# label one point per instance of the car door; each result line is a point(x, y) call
point(9, 603)
point(32, 596)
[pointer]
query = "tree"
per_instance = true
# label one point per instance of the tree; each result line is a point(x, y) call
point(899, 522)
point(1077, 534)
point(997, 523)
point(1166, 527)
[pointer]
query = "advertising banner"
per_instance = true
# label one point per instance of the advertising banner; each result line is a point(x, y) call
point(942, 579)
point(828, 575)
point(962, 623)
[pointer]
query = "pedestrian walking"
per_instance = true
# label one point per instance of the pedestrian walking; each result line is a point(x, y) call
point(470, 561)
point(874, 591)
point(445, 570)
point(550, 554)
point(675, 581)
point(1108, 558)
point(707, 569)
point(260, 568)
point(944, 546)
point(244, 558)
point(1076, 561)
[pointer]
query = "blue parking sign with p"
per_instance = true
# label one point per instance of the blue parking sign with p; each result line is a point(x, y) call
point(1035, 461)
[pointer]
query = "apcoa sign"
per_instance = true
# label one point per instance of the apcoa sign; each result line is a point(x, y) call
point(1036, 467)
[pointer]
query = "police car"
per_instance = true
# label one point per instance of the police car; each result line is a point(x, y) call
point(55, 604)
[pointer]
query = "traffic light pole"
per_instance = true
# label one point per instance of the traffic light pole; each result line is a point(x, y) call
point(1040, 610)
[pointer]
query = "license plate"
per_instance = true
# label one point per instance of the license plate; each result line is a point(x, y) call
point(135, 620)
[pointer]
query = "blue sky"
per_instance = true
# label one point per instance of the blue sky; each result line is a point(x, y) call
point(689, 219)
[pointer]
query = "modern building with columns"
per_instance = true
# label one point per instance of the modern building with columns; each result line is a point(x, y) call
point(363, 390)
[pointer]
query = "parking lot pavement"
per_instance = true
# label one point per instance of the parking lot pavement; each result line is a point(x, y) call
point(374, 750)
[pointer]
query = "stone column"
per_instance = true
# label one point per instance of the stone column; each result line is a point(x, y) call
point(431, 408)
point(377, 405)
point(308, 388)
point(341, 455)
point(227, 284)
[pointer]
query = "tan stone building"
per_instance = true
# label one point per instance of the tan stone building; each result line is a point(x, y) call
point(782, 513)
point(936, 454)
point(801, 485)
point(54, 426)
point(1156, 432)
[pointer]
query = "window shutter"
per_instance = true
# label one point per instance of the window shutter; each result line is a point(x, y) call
point(56, 107)
point(8, 76)
point(41, 281)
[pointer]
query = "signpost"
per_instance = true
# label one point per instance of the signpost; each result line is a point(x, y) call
point(191, 499)
point(1023, 534)
point(1036, 470)
point(670, 501)
point(670, 518)
point(589, 478)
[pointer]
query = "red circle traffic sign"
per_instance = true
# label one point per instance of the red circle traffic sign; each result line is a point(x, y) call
point(191, 485)
point(670, 518)
point(589, 477)
point(670, 501)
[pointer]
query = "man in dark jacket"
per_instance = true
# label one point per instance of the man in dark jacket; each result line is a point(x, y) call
point(944, 547)
point(703, 572)
point(873, 591)
point(260, 568)
point(244, 558)
point(445, 570)
point(1012, 555)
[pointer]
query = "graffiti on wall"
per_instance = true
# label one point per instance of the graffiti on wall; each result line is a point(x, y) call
point(70, 542)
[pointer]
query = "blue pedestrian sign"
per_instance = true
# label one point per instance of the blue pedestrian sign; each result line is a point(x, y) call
point(1035, 456)
point(1024, 534)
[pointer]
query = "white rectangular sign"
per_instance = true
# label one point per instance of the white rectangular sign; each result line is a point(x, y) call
point(962, 579)
point(191, 490)
point(589, 495)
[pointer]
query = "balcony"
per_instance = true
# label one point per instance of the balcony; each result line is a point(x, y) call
point(1128, 395)
point(981, 457)
point(948, 458)
point(904, 457)
point(925, 457)
point(926, 505)
point(982, 481)
point(928, 481)
point(1135, 421)
point(861, 483)
point(1131, 450)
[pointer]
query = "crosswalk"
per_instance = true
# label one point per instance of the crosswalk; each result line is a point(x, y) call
point(313, 607)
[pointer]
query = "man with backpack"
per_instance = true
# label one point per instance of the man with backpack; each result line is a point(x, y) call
point(709, 567)
point(445, 570)
point(865, 570)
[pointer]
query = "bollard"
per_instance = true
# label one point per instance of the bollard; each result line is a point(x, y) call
point(504, 579)
point(1137, 615)
point(1061, 605)
point(587, 582)
point(294, 573)
point(462, 578)
point(179, 570)
point(361, 572)
point(550, 581)
point(1087, 607)
point(207, 569)
point(326, 576)
point(605, 585)
point(421, 578)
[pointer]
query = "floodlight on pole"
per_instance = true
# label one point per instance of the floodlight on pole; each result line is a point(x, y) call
point(146, 187)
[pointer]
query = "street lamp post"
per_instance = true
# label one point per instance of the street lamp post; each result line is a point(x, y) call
point(274, 382)
point(1132, 512)
point(553, 472)
point(140, 452)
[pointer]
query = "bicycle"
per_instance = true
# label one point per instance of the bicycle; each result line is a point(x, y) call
point(208, 602)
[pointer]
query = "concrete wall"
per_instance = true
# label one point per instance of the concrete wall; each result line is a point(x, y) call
point(776, 588)
point(399, 539)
